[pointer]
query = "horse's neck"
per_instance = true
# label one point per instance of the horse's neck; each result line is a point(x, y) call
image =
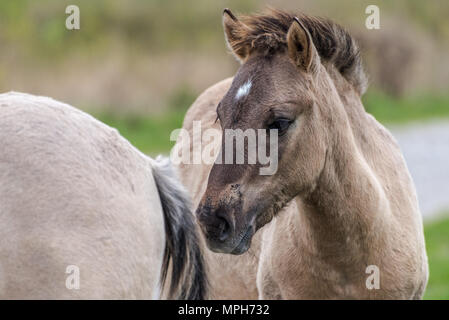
point(346, 211)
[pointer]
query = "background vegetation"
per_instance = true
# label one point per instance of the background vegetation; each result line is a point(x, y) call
point(138, 65)
point(437, 243)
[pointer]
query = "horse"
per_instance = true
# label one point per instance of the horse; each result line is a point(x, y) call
point(339, 219)
point(85, 215)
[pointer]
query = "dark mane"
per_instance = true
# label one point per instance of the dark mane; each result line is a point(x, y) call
point(267, 32)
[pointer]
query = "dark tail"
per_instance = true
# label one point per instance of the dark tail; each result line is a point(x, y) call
point(188, 279)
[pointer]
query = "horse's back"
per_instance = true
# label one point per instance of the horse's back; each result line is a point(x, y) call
point(74, 196)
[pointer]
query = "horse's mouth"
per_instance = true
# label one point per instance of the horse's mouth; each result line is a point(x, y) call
point(245, 242)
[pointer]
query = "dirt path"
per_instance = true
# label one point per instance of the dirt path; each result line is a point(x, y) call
point(426, 150)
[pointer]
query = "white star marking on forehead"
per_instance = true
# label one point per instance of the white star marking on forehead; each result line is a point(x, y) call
point(243, 90)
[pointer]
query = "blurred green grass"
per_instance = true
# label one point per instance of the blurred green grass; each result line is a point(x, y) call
point(437, 243)
point(150, 135)
point(35, 25)
point(388, 110)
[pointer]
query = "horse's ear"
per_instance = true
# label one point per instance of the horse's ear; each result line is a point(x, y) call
point(235, 34)
point(301, 48)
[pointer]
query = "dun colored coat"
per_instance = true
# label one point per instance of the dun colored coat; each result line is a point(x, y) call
point(341, 208)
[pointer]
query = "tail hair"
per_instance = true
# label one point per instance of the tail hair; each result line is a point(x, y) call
point(188, 279)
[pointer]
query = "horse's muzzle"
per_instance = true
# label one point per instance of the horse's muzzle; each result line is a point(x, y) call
point(220, 231)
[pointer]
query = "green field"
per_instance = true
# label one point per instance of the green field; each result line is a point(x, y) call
point(150, 135)
point(437, 243)
point(408, 109)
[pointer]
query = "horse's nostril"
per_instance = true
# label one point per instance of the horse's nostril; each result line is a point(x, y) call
point(215, 223)
point(225, 230)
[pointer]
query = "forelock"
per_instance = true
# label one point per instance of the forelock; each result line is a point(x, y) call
point(267, 34)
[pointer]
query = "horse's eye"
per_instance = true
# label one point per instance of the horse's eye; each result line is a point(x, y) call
point(280, 124)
